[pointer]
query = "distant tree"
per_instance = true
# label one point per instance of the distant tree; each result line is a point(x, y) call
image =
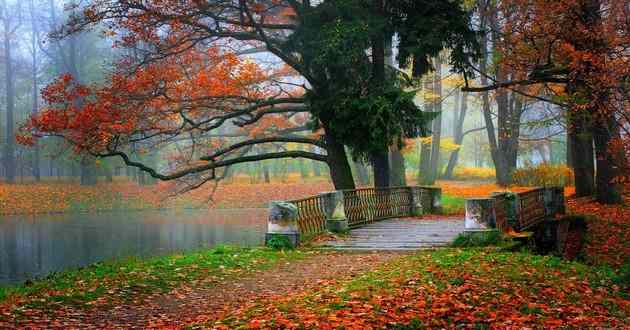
point(583, 68)
point(11, 21)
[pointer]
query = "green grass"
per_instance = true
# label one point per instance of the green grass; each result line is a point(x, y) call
point(453, 205)
point(130, 278)
point(478, 239)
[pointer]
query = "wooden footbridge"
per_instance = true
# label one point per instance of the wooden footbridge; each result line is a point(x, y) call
point(391, 218)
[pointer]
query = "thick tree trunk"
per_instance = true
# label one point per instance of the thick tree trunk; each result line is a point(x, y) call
point(607, 191)
point(340, 171)
point(380, 164)
point(582, 155)
point(380, 159)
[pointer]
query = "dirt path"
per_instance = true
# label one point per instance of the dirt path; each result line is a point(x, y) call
point(200, 303)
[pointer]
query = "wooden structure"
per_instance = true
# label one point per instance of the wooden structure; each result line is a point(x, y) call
point(339, 211)
point(536, 213)
point(518, 211)
point(398, 235)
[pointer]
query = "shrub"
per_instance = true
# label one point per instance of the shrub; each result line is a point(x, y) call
point(543, 175)
point(279, 242)
point(478, 239)
point(472, 173)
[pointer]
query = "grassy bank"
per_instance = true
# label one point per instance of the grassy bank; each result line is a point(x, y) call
point(478, 287)
point(133, 279)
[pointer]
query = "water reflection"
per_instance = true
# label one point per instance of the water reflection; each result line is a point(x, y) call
point(33, 246)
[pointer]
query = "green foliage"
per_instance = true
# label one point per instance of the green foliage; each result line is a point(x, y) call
point(425, 27)
point(478, 239)
point(333, 39)
point(385, 119)
point(279, 242)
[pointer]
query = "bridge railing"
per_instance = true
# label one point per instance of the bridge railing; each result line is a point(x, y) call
point(514, 211)
point(337, 211)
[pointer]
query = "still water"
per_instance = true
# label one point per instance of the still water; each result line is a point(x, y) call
point(34, 246)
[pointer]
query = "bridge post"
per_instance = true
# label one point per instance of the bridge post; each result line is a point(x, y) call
point(336, 220)
point(416, 201)
point(431, 199)
point(554, 201)
point(512, 208)
point(480, 215)
point(282, 223)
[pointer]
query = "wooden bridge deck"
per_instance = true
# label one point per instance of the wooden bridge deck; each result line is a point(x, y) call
point(399, 234)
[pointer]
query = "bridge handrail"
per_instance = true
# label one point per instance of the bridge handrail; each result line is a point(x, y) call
point(343, 209)
point(515, 211)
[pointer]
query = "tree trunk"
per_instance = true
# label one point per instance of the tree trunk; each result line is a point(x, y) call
point(35, 105)
point(437, 122)
point(458, 135)
point(424, 169)
point(380, 159)
point(380, 165)
point(397, 162)
point(607, 191)
point(362, 173)
point(9, 143)
point(582, 155)
point(340, 171)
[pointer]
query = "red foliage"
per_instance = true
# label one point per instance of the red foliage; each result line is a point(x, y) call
point(608, 241)
point(580, 47)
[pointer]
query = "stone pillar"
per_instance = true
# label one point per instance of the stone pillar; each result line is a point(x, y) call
point(480, 215)
point(554, 201)
point(558, 200)
point(282, 222)
point(432, 202)
point(416, 201)
point(336, 220)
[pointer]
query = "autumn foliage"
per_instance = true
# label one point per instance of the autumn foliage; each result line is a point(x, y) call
point(578, 48)
point(156, 99)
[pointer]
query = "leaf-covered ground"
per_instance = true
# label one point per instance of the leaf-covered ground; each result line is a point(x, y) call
point(449, 288)
point(608, 235)
point(174, 291)
point(259, 288)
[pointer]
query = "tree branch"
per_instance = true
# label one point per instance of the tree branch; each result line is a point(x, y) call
point(261, 141)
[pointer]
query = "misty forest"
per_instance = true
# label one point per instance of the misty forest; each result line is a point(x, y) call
point(314, 164)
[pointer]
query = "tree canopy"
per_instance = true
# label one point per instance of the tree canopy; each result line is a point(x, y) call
point(168, 93)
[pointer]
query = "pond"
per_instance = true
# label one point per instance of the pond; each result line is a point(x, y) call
point(34, 246)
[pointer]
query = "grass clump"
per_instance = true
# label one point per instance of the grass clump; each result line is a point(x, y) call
point(479, 239)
